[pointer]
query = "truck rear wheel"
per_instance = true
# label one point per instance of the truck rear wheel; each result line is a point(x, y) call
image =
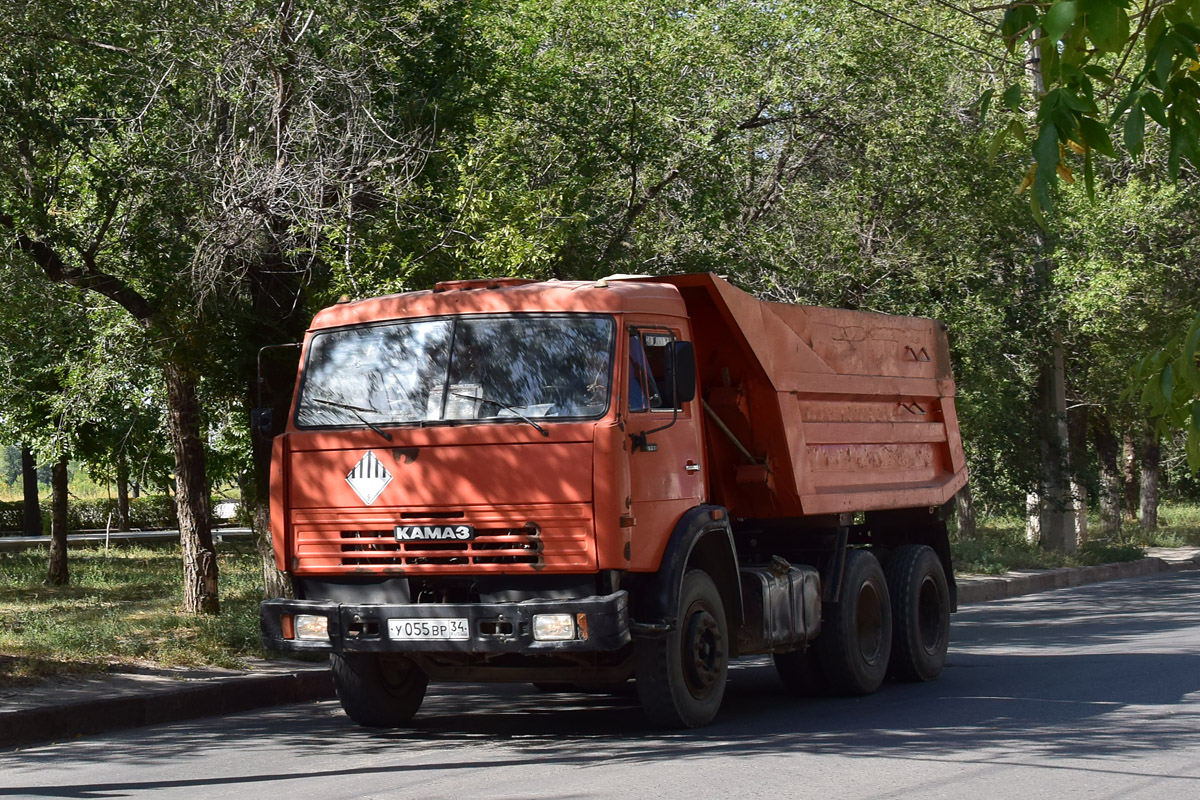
point(681, 676)
point(920, 613)
point(378, 691)
point(856, 634)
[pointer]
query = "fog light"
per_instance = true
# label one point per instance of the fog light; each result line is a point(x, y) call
point(553, 627)
point(311, 627)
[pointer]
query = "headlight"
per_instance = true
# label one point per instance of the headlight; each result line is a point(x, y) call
point(553, 627)
point(311, 627)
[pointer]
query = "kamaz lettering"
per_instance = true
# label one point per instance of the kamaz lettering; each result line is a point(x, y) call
point(433, 533)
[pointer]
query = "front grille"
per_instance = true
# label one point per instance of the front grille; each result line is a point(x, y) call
point(490, 546)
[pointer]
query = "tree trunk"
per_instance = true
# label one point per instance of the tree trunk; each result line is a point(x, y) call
point(1077, 425)
point(1110, 477)
point(1151, 457)
point(1057, 526)
point(122, 493)
point(1129, 464)
point(31, 519)
point(58, 575)
point(191, 493)
point(964, 505)
point(1033, 516)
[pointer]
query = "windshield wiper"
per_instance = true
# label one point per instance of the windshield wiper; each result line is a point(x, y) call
point(506, 407)
point(355, 411)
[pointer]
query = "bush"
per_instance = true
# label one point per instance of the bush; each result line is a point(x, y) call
point(147, 512)
point(12, 515)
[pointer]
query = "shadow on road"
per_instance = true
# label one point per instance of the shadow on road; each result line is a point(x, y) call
point(1044, 679)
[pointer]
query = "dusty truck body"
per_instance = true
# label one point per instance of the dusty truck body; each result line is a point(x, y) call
point(584, 482)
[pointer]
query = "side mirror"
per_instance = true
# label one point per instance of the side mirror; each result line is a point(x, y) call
point(262, 422)
point(685, 372)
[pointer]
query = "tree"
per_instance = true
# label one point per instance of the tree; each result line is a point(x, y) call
point(1104, 64)
point(199, 165)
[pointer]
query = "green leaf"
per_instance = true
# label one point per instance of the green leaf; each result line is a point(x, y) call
point(1017, 130)
point(1164, 59)
point(1166, 384)
point(1108, 27)
point(1045, 151)
point(1154, 107)
point(996, 143)
point(1012, 97)
point(1035, 208)
point(1177, 12)
point(1189, 30)
point(1135, 130)
point(1099, 73)
point(1192, 447)
point(1058, 19)
point(1089, 174)
point(985, 102)
point(1077, 103)
point(1191, 344)
point(1123, 106)
point(1095, 136)
point(1154, 30)
point(1017, 20)
point(1183, 145)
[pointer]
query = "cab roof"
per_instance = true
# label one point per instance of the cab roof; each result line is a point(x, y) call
point(509, 295)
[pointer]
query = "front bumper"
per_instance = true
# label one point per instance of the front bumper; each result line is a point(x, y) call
point(493, 627)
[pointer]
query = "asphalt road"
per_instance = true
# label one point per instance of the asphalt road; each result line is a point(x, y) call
point(1091, 692)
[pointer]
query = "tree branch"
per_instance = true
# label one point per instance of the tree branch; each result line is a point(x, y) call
point(50, 262)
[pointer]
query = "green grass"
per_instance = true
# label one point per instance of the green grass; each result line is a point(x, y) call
point(1000, 545)
point(122, 608)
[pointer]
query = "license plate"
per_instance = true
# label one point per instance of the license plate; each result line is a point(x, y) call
point(428, 629)
point(434, 533)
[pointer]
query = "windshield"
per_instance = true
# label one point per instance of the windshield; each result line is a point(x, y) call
point(467, 368)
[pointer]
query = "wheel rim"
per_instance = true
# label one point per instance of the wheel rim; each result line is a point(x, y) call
point(869, 624)
point(703, 651)
point(929, 616)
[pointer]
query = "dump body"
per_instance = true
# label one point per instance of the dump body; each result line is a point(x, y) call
point(840, 411)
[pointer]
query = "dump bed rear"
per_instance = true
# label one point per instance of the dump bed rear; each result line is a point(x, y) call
point(816, 410)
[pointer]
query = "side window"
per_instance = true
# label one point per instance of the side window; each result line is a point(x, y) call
point(650, 368)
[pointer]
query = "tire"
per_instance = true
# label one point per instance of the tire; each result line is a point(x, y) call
point(681, 676)
point(920, 613)
point(856, 634)
point(801, 673)
point(377, 691)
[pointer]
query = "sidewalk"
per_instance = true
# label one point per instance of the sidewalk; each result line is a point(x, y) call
point(981, 588)
point(69, 707)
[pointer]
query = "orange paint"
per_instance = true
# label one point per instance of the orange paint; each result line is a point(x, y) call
point(838, 410)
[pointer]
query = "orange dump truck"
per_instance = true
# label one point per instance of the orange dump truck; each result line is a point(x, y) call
point(586, 482)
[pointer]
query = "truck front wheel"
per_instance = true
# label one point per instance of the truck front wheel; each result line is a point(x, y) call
point(378, 691)
point(856, 634)
point(681, 676)
point(920, 613)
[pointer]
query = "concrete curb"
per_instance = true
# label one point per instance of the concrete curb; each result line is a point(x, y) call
point(170, 701)
point(982, 588)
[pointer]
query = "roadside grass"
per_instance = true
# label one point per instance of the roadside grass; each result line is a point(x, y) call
point(1000, 543)
point(122, 608)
